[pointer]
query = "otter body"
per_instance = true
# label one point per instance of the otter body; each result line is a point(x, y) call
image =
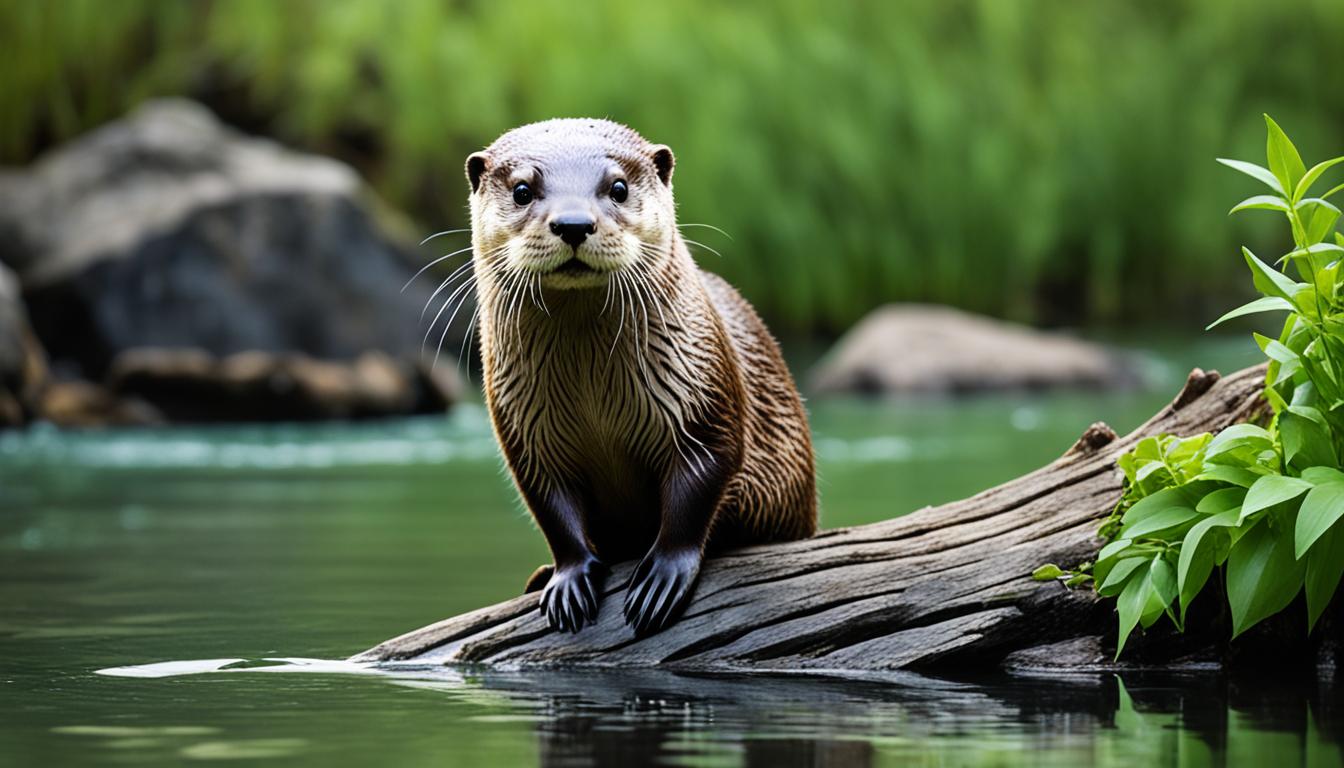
point(641, 405)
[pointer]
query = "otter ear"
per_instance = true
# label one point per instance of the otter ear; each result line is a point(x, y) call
point(475, 167)
point(663, 162)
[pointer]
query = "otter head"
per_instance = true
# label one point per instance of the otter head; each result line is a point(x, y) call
point(568, 202)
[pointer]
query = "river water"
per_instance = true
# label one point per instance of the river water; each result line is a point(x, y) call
point(241, 544)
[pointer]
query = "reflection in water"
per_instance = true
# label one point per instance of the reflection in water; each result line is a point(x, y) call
point(620, 718)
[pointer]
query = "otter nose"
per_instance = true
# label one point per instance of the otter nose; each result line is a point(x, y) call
point(573, 229)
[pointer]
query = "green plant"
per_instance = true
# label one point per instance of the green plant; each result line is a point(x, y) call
point(1262, 504)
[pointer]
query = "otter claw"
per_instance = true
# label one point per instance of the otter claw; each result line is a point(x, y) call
point(660, 589)
point(569, 600)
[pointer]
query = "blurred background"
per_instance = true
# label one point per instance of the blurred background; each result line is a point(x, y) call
point(1050, 162)
point(208, 212)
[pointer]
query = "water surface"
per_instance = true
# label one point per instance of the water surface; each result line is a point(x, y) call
point(244, 543)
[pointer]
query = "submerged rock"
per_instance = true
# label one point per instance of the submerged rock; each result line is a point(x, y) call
point(167, 229)
point(928, 349)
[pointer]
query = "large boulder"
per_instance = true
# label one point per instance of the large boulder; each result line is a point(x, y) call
point(168, 230)
point(927, 349)
point(167, 238)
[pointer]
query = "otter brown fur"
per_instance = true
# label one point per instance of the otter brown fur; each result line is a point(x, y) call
point(642, 407)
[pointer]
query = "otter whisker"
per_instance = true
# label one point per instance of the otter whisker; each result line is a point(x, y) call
point(456, 273)
point(462, 290)
point(471, 327)
point(539, 294)
point(432, 263)
point(446, 326)
point(641, 349)
point(706, 226)
point(513, 291)
point(445, 232)
point(621, 326)
point(610, 279)
point(689, 241)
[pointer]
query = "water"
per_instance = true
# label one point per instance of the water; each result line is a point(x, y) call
point(137, 547)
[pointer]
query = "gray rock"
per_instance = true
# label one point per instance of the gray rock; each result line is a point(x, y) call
point(167, 229)
point(928, 349)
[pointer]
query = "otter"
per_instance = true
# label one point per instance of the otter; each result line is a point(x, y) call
point(642, 408)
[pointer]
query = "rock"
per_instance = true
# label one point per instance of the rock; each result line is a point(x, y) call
point(81, 404)
point(191, 385)
point(23, 365)
point(927, 349)
point(169, 230)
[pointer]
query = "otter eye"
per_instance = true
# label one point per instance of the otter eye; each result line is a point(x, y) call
point(619, 192)
point(522, 193)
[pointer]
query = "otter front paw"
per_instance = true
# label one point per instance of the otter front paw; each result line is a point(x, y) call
point(659, 589)
point(571, 596)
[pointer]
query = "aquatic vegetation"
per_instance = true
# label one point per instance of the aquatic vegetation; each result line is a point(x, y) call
point(1261, 503)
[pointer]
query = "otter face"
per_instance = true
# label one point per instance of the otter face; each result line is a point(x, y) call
point(569, 202)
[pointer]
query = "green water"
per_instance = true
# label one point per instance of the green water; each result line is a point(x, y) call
point(137, 547)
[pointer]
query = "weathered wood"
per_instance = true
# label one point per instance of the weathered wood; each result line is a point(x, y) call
point(942, 585)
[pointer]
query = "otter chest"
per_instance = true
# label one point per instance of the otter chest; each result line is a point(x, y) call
point(584, 409)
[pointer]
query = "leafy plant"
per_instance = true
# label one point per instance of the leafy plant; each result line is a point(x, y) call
point(1260, 504)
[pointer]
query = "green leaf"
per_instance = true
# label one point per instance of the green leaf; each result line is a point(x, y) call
point(1047, 572)
point(1325, 564)
point(1332, 191)
point(1228, 474)
point(1112, 549)
point(1270, 490)
point(1197, 559)
point(1239, 436)
point(1274, 350)
point(1078, 579)
point(1171, 517)
point(1320, 510)
point(1321, 223)
point(1162, 577)
point(1221, 500)
point(1312, 175)
point(1131, 604)
point(1263, 577)
point(1322, 475)
point(1264, 175)
point(1263, 304)
point(1305, 439)
point(1119, 574)
point(1154, 503)
point(1268, 280)
point(1262, 202)
point(1284, 162)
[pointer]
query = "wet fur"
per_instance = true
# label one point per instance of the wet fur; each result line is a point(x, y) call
point(648, 414)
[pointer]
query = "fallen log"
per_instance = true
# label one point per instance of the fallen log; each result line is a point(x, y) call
point(940, 586)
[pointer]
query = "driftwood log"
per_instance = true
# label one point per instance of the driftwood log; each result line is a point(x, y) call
point(943, 586)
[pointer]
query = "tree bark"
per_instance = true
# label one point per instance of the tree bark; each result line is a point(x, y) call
point(942, 586)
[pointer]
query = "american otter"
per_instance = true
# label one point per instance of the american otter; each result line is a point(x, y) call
point(642, 407)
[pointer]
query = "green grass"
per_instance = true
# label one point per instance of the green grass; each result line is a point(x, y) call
point(1043, 160)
